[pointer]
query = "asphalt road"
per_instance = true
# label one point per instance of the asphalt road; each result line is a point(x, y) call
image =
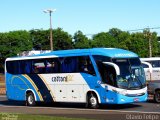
point(141, 111)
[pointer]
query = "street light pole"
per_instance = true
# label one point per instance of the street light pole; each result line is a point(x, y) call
point(149, 36)
point(150, 45)
point(51, 35)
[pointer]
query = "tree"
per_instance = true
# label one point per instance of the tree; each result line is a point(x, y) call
point(121, 37)
point(155, 44)
point(138, 44)
point(4, 44)
point(152, 37)
point(158, 39)
point(61, 40)
point(13, 43)
point(40, 39)
point(80, 40)
point(114, 32)
point(103, 39)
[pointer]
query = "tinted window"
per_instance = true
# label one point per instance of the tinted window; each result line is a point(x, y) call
point(52, 65)
point(101, 58)
point(85, 65)
point(134, 61)
point(145, 66)
point(19, 67)
point(39, 66)
point(68, 64)
point(155, 63)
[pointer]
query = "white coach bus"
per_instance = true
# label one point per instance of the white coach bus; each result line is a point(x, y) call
point(152, 71)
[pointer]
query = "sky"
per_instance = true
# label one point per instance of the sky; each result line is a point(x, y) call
point(89, 16)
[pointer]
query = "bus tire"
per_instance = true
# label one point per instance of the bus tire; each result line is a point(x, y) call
point(157, 96)
point(30, 99)
point(92, 101)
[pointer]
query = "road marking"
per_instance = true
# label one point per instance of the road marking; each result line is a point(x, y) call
point(96, 110)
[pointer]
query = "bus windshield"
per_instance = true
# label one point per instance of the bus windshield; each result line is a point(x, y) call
point(131, 74)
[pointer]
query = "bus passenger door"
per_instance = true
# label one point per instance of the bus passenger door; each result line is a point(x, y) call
point(108, 72)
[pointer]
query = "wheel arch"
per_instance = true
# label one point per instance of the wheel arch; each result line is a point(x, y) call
point(93, 92)
point(157, 89)
point(28, 91)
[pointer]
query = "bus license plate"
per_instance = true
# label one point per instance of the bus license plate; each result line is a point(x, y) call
point(136, 100)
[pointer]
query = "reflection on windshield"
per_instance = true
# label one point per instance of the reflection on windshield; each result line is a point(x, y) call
point(131, 73)
point(134, 80)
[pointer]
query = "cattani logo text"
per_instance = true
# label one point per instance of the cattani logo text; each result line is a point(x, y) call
point(62, 78)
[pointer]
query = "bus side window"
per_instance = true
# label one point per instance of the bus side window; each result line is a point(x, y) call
point(101, 69)
point(28, 67)
point(155, 63)
point(36, 70)
point(145, 66)
point(38, 66)
point(68, 64)
point(52, 65)
point(107, 73)
point(111, 75)
point(85, 65)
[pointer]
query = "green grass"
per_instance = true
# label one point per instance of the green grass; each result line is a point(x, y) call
point(33, 117)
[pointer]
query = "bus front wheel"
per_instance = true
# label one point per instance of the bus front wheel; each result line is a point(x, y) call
point(157, 96)
point(30, 99)
point(93, 101)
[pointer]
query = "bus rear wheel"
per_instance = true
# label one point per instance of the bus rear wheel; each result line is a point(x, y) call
point(93, 101)
point(30, 99)
point(157, 96)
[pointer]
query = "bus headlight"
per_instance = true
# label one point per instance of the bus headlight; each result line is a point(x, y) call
point(123, 92)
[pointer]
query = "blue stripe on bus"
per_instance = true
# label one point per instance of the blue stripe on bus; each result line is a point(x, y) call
point(41, 87)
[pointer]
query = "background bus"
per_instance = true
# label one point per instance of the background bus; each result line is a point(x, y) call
point(152, 71)
point(92, 76)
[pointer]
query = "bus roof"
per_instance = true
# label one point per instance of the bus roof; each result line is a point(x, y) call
point(150, 59)
point(109, 52)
